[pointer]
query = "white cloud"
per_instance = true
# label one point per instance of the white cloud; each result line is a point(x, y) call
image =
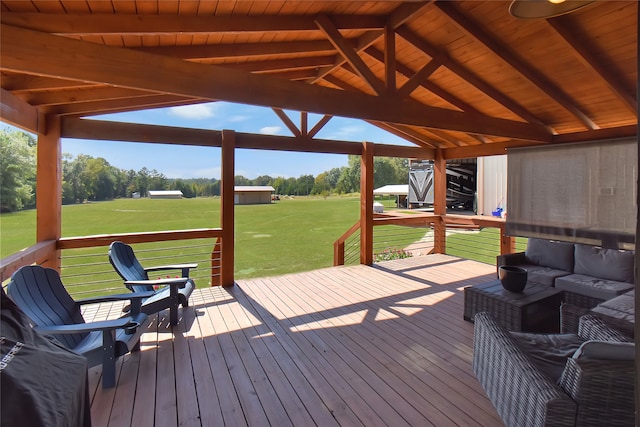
point(193, 112)
point(347, 132)
point(238, 118)
point(270, 130)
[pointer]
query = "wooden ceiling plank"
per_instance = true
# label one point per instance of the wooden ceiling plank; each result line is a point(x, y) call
point(571, 34)
point(350, 55)
point(38, 53)
point(102, 23)
point(508, 56)
point(17, 112)
point(469, 76)
point(287, 121)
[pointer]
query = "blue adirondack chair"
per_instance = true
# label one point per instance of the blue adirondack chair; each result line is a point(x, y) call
point(41, 295)
point(172, 291)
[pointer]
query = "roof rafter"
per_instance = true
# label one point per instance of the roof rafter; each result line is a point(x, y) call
point(572, 35)
point(510, 58)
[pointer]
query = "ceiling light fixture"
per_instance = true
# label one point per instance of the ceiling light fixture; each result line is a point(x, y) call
point(528, 9)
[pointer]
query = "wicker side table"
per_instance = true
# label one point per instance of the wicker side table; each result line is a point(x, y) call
point(536, 309)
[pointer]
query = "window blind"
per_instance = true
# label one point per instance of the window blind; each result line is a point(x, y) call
point(582, 193)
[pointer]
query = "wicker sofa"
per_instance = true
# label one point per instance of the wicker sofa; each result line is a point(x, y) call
point(588, 275)
point(556, 379)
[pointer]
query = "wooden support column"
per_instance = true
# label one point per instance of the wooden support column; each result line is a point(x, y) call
point(49, 184)
point(227, 220)
point(440, 202)
point(366, 204)
point(507, 243)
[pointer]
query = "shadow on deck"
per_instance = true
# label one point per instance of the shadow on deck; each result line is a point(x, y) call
point(358, 345)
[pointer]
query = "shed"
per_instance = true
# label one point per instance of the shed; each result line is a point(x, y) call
point(253, 194)
point(165, 194)
point(400, 191)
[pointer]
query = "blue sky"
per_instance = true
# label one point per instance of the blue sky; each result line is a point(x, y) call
point(201, 162)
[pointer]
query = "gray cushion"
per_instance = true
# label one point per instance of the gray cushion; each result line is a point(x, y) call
point(606, 350)
point(549, 352)
point(557, 255)
point(610, 264)
point(621, 307)
point(592, 286)
point(542, 275)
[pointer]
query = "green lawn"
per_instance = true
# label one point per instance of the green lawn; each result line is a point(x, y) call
point(287, 236)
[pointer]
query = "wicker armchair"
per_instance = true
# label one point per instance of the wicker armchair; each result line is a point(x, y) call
point(590, 392)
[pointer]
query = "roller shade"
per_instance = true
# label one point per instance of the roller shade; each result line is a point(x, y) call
point(583, 193)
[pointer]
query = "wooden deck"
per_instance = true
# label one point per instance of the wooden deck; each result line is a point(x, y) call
point(356, 345)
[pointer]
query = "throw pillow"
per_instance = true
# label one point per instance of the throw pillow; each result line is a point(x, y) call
point(607, 350)
point(549, 253)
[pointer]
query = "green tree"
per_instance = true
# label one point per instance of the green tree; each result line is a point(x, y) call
point(17, 170)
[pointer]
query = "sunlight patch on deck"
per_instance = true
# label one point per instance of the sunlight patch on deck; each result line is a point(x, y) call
point(430, 299)
point(355, 318)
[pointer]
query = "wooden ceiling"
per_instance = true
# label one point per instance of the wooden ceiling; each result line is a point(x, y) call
point(461, 76)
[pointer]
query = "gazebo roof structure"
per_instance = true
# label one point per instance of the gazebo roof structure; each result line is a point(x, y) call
point(464, 77)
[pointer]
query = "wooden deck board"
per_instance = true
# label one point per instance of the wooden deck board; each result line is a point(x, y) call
point(357, 345)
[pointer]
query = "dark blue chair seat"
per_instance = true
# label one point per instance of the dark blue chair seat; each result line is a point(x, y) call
point(172, 292)
point(41, 295)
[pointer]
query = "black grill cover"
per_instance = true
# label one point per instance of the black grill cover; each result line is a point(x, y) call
point(42, 383)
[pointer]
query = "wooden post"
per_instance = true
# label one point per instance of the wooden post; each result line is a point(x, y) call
point(440, 203)
point(507, 243)
point(227, 220)
point(366, 204)
point(215, 263)
point(49, 184)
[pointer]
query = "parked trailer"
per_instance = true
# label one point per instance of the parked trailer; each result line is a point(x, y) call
point(461, 184)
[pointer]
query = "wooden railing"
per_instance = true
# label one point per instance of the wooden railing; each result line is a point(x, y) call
point(47, 253)
point(450, 221)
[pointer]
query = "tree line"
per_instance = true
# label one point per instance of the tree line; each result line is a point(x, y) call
point(87, 178)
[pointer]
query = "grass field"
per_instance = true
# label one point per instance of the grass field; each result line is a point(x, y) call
point(287, 236)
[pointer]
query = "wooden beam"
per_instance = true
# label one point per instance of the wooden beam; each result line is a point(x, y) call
point(283, 64)
point(125, 24)
point(408, 134)
point(439, 203)
point(89, 94)
point(418, 78)
point(227, 208)
point(233, 50)
point(18, 83)
point(287, 121)
point(319, 125)
point(89, 108)
point(398, 17)
point(510, 58)
point(390, 59)
point(32, 52)
point(49, 184)
point(133, 132)
point(366, 204)
point(584, 52)
point(349, 54)
point(469, 76)
point(304, 123)
point(17, 112)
